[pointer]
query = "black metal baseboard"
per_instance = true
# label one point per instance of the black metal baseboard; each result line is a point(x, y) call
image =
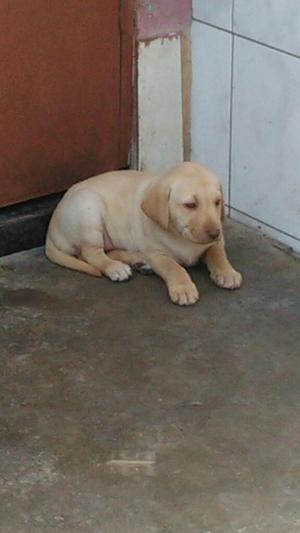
point(24, 226)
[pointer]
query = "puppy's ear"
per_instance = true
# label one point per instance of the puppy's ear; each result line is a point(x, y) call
point(223, 214)
point(155, 204)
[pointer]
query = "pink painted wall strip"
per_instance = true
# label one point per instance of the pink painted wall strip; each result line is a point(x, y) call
point(160, 18)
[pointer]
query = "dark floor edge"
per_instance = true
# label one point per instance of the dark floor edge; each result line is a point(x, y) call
point(24, 226)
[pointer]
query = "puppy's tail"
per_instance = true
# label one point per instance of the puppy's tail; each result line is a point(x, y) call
point(61, 258)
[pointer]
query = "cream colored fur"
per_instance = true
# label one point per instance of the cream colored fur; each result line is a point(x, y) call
point(112, 222)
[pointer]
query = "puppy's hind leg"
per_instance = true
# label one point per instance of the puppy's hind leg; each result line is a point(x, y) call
point(66, 260)
point(93, 253)
point(83, 225)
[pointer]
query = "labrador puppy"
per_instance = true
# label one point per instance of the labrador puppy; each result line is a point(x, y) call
point(109, 224)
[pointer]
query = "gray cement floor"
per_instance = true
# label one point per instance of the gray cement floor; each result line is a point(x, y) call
point(122, 413)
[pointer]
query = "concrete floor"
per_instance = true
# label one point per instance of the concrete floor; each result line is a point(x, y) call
point(122, 413)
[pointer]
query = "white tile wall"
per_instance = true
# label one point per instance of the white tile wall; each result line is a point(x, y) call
point(211, 98)
point(217, 12)
point(265, 181)
point(274, 22)
point(252, 125)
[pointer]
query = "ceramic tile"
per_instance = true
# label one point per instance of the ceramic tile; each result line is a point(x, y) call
point(276, 23)
point(265, 179)
point(214, 12)
point(211, 98)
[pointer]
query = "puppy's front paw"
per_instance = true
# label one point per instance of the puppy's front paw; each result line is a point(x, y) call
point(184, 293)
point(117, 271)
point(227, 278)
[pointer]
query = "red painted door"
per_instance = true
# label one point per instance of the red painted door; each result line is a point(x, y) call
point(65, 93)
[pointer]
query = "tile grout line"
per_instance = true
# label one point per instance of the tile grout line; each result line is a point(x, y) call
point(265, 45)
point(266, 224)
point(231, 110)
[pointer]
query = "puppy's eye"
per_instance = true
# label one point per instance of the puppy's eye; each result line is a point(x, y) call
point(190, 205)
point(217, 202)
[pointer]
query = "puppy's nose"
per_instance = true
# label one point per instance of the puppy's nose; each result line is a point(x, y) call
point(213, 233)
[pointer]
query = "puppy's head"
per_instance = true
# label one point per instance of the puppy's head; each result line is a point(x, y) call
point(189, 202)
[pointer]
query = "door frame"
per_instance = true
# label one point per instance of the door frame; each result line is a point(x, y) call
point(128, 82)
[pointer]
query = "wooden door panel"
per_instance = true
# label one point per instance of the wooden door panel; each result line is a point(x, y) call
point(61, 101)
